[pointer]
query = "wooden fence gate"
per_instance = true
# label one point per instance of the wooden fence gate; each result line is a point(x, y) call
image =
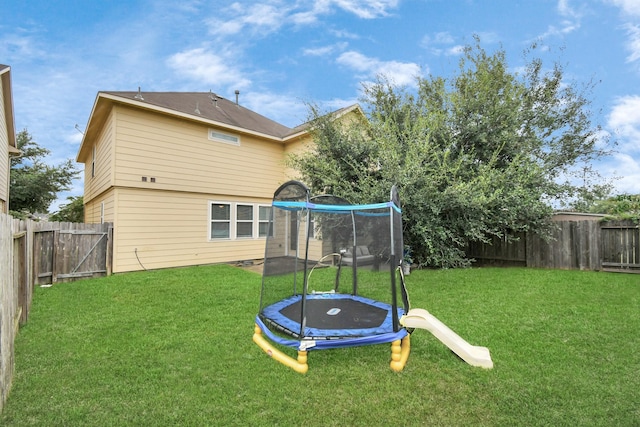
point(620, 246)
point(69, 251)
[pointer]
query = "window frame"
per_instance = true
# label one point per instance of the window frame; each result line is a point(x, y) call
point(263, 221)
point(223, 137)
point(233, 221)
point(228, 221)
point(239, 221)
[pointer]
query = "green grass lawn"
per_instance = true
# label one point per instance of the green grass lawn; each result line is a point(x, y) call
point(174, 347)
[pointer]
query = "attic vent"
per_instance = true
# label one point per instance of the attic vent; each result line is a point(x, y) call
point(217, 136)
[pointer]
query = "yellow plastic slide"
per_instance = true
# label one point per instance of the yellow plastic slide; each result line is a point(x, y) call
point(473, 355)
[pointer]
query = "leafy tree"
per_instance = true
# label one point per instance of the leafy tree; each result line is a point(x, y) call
point(622, 206)
point(70, 212)
point(479, 155)
point(33, 183)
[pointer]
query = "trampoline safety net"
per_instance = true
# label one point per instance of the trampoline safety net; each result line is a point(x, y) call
point(331, 268)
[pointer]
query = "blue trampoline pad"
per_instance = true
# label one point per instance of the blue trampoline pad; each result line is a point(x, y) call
point(332, 316)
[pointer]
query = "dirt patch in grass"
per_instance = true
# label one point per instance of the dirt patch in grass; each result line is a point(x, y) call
point(255, 266)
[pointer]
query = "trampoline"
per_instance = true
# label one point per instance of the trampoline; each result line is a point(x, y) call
point(310, 299)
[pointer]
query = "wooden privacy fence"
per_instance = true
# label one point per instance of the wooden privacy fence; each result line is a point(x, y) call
point(34, 253)
point(15, 291)
point(574, 245)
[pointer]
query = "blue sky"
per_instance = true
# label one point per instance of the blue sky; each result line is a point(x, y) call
point(283, 54)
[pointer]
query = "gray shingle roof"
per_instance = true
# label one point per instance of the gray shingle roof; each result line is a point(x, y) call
point(209, 106)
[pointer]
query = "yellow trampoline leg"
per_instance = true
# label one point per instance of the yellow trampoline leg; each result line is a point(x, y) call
point(400, 353)
point(299, 365)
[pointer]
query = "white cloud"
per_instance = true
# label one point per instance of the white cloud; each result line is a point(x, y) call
point(271, 15)
point(307, 17)
point(20, 47)
point(285, 109)
point(443, 38)
point(628, 7)
point(367, 9)
point(565, 28)
point(259, 18)
point(437, 42)
point(565, 9)
point(624, 170)
point(630, 13)
point(455, 50)
point(488, 37)
point(624, 120)
point(318, 51)
point(358, 61)
point(629, 183)
point(343, 34)
point(325, 50)
point(443, 43)
point(571, 21)
point(623, 124)
point(401, 73)
point(633, 43)
point(208, 68)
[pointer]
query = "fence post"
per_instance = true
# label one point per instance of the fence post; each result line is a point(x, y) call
point(54, 256)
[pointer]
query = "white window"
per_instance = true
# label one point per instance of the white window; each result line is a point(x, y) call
point(264, 215)
point(215, 135)
point(220, 221)
point(230, 220)
point(244, 221)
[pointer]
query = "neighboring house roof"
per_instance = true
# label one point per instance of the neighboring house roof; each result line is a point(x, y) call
point(5, 75)
point(205, 107)
point(576, 216)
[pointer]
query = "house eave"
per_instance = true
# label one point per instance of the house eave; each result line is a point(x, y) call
point(5, 75)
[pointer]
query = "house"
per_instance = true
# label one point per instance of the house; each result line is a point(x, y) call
point(186, 178)
point(7, 135)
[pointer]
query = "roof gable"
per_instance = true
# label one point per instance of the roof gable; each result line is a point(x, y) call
point(204, 107)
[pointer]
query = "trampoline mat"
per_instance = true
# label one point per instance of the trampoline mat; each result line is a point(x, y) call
point(332, 315)
point(337, 314)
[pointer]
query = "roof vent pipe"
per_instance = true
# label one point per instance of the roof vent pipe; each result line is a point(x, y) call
point(237, 95)
point(139, 95)
point(214, 98)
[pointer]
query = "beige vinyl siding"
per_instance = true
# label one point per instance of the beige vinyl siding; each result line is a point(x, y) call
point(4, 155)
point(102, 178)
point(94, 208)
point(179, 155)
point(296, 147)
point(171, 229)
